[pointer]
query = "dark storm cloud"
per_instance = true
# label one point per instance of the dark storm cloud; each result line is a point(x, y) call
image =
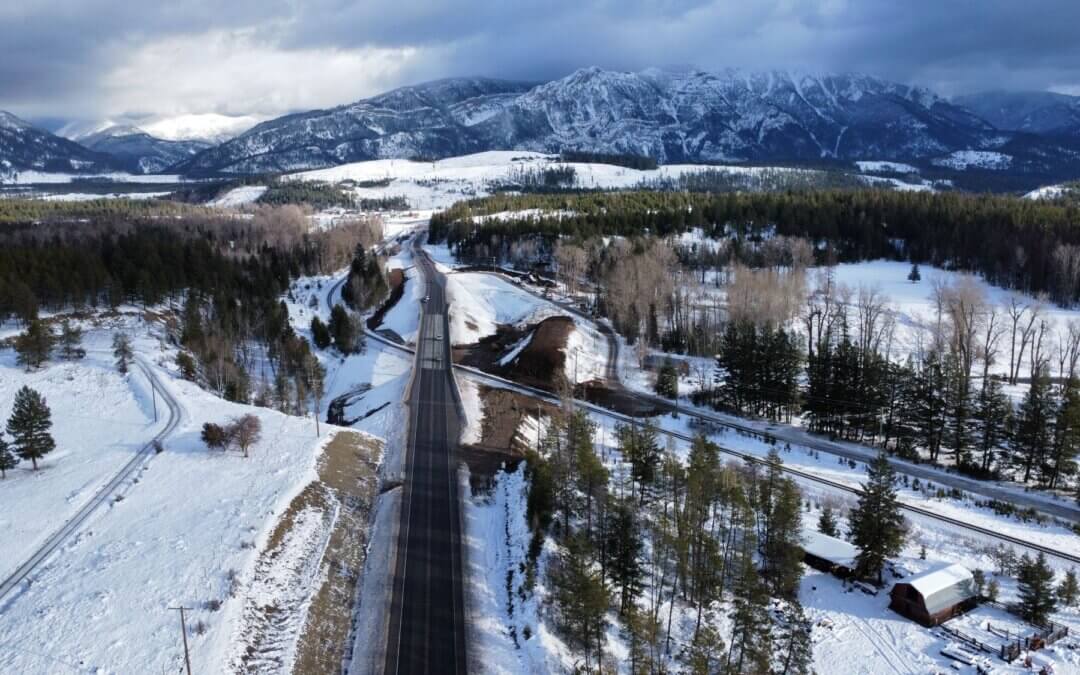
point(56, 53)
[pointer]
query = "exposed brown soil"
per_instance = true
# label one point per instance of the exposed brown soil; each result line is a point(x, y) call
point(501, 440)
point(539, 364)
point(347, 471)
point(396, 280)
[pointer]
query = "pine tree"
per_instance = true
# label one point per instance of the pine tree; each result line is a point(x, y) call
point(667, 380)
point(782, 555)
point(624, 546)
point(703, 657)
point(751, 644)
point(343, 329)
point(122, 352)
point(1033, 425)
point(797, 648)
point(320, 334)
point(35, 345)
point(827, 524)
point(914, 276)
point(580, 595)
point(1066, 447)
point(1069, 590)
point(29, 426)
point(876, 525)
point(992, 412)
point(8, 461)
point(71, 341)
point(1035, 590)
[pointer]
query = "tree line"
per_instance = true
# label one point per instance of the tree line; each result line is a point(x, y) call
point(665, 534)
point(1023, 244)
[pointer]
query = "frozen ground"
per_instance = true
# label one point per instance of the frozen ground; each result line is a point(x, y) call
point(191, 520)
point(245, 194)
point(436, 185)
point(91, 447)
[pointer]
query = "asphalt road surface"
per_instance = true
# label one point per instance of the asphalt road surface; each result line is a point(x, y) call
point(427, 610)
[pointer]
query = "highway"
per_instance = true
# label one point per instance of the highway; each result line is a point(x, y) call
point(427, 609)
point(145, 454)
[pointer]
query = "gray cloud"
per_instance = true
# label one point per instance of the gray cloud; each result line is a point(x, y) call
point(88, 57)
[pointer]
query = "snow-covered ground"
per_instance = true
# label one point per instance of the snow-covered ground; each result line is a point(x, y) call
point(885, 166)
point(1047, 192)
point(91, 447)
point(240, 196)
point(480, 302)
point(978, 159)
point(43, 177)
point(186, 532)
point(435, 185)
point(852, 632)
point(912, 304)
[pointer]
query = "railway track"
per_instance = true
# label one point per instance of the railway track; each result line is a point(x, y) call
point(804, 476)
point(42, 554)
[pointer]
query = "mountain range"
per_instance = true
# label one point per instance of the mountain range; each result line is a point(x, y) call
point(671, 115)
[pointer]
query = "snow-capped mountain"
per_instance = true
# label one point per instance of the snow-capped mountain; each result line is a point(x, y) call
point(138, 151)
point(1036, 112)
point(675, 116)
point(25, 147)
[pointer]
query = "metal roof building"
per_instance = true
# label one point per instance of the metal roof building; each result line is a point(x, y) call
point(936, 595)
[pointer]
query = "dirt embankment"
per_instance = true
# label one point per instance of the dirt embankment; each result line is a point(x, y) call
point(541, 363)
point(312, 562)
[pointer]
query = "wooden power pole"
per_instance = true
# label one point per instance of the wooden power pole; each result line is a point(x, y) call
point(183, 632)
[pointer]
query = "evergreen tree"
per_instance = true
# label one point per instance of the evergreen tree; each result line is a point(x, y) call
point(639, 447)
point(782, 554)
point(8, 461)
point(667, 380)
point(930, 405)
point(35, 345)
point(186, 364)
point(71, 341)
point(827, 524)
point(751, 644)
point(914, 276)
point(623, 545)
point(1033, 426)
point(343, 329)
point(580, 596)
point(1035, 589)
point(1066, 447)
point(29, 426)
point(797, 648)
point(703, 657)
point(1068, 591)
point(320, 334)
point(122, 352)
point(992, 412)
point(876, 525)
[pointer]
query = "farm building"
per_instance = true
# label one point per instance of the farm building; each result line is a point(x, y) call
point(828, 554)
point(935, 596)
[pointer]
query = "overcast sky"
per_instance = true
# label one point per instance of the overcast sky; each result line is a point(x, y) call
point(87, 59)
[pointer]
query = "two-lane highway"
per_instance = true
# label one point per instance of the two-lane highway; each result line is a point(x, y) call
point(427, 611)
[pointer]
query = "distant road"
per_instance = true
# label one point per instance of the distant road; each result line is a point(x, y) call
point(38, 558)
point(427, 610)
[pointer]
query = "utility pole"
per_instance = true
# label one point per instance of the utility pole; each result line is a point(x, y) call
point(183, 632)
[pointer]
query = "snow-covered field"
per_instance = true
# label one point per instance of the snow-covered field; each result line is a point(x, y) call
point(435, 185)
point(892, 167)
point(43, 177)
point(240, 196)
point(480, 302)
point(191, 523)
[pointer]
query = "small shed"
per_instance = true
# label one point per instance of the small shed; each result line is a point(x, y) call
point(935, 596)
point(829, 554)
